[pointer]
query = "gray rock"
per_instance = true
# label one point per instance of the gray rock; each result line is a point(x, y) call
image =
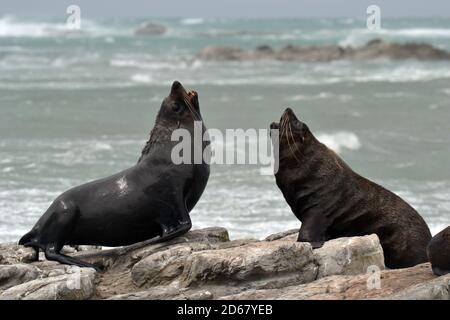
point(409, 283)
point(150, 29)
point(124, 258)
point(436, 289)
point(221, 53)
point(11, 253)
point(375, 49)
point(76, 284)
point(164, 266)
point(15, 274)
point(289, 234)
point(204, 264)
point(264, 264)
point(349, 256)
point(164, 293)
point(81, 248)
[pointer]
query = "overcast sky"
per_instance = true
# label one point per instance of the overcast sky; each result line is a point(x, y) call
point(227, 8)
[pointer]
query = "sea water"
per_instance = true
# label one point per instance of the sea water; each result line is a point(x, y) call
point(77, 106)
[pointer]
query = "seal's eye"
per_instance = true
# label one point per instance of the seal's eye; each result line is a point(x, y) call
point(297, 124)
point(177, 107)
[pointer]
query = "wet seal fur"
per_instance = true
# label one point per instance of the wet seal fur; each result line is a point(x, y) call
point(333, 201)
point(439, 252)
point(147, 203)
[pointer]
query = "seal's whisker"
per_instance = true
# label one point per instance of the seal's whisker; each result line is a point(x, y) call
point(194, 114)
point(282, 125)
point(293, 140)
point(292, 135)
point(191, 107)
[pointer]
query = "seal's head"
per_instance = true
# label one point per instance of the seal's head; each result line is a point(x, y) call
point(179, 109)
point(295, 138)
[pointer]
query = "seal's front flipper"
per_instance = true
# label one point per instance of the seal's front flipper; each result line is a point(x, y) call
point(317, 244)
point(439, 271)
point(52, 254)
point(312, 231)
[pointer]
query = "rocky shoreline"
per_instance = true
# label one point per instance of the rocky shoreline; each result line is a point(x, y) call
point(375, 49)
point(205, 264)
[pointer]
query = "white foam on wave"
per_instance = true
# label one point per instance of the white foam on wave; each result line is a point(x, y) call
point(11, 27)
point(358, 37)
point(149, 62)
point(321, 95)
point(151, 73)
point(192, 21)
point(340, 140)
point(141, 78)
point(411, 73)
point(419, 32)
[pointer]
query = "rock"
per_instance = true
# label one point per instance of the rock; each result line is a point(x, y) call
point(163, 266)
point(125, 257)
point(11, 253)
point(346, 287)
point(292, 234)
point(348, 256)
point(163, 293)
point(263, 263)
point(76, 284)
point(222, 53)
point(251, 264)
point(150, 29)
point(15, 274)
point(87, 248)
point(154, 293)
point(81, 248)
point(68, 250)
point(436, 289)
point(205, 264)
point(374, 49)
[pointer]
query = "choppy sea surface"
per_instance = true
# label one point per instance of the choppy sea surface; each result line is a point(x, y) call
point(76, 106)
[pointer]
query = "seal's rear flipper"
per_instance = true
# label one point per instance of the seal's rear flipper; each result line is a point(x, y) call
point(440, 272)
point(51, 254)
point(28, 240)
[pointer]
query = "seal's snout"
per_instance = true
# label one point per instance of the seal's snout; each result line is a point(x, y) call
point(192, 94)
point(193, 98)
point(275, 125)
point(177, 89)
point(290, 113)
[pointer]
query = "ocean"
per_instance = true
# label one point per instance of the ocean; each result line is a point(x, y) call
point(77, 106)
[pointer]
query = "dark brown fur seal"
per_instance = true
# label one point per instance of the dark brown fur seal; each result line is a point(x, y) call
point(149, 202)
point(333, 201)
point(439, 252)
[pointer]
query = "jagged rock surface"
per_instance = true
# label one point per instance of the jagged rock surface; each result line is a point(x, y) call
point(205, 264)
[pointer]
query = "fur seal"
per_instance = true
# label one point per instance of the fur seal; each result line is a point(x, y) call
point(333, 201)
point(150, 200)
point(439, 252)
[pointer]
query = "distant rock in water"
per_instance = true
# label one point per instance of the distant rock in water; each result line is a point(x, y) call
point(150, 29)
point(374, 49)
